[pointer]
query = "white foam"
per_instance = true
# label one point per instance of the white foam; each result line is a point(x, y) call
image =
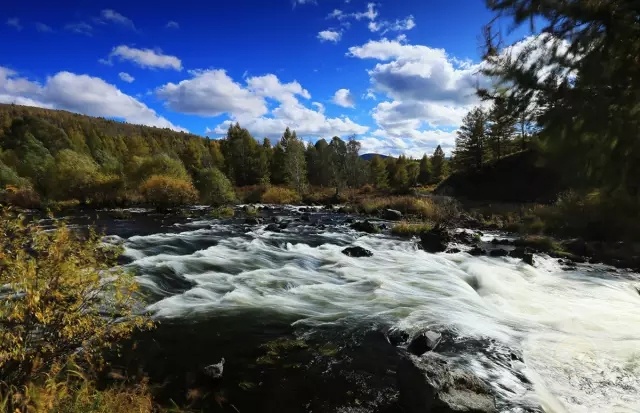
point(580, 333)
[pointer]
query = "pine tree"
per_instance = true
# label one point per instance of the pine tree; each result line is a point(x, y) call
point(471, 141)
point(354, 167)
point(424, 175)
point(338, 163)
point(413, 171)
point(277, 165)
point(378, 173)
point(502, 125)
point(438, 164)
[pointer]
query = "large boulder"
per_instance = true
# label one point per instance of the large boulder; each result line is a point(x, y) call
point(430, 384)
point(435, 240)
point(366, 226)
point(357, 252)
point(252, 221)
point(391, 215)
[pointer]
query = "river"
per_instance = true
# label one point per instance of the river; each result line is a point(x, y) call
point(302, 326)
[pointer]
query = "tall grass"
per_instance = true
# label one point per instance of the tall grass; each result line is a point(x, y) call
point(409, 229)
point(279, 195)
point(423, 208)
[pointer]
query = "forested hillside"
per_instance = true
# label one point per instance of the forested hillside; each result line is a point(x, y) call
point(49, 155)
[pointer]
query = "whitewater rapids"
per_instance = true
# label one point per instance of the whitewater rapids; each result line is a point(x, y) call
point(578, 331)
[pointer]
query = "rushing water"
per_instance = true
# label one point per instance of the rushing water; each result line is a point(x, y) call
point(221, 288)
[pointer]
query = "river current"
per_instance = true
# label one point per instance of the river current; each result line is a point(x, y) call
point(222, 288)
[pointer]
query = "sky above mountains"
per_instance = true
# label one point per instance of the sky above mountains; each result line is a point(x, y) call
point(399, 74)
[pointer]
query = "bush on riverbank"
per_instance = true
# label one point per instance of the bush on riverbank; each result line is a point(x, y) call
point(409, 229)
point(59, 294)
point(166, 192)
point(423, 208)
point(280, 195)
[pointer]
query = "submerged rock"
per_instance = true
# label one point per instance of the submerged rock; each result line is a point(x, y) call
point(273, 228)
point(366, 226)
point(498, 253)
point(476, 251)
point(357, 252)
point(392, 215)
point(453, 250)
point(426, 341)
point(435, 240)
point(252, 221)
point(466, 238)
point(430, 384)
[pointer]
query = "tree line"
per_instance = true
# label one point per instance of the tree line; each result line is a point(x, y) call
point(60, 156)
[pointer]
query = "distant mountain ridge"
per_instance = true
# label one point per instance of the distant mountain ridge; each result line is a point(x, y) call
point(369, 156)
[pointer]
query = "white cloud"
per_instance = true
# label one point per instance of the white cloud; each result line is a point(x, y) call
point(337, 14)
point(417, 72)
point(344, 98)
point(117, 18)
point(15, 23)
point(329, 36)
point(41, 27)
point(172, 25)
point(214, 92)
point(78, 93)
point(211, 93)
point(269, 86)
point(370, 14)
point(80, 28)
point(126, 77)
point(146, 58)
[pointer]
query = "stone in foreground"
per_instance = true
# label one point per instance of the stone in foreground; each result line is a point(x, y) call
point(430, 384)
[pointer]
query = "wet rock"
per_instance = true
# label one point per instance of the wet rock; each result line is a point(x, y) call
point(426, 341)
point(273, 228)
point(357, 252)
point(349, 220)
point(322, 227)
point(252, 221)
point(477, 251)
point(435, 240)
point(453, 250)
point(276, 220)
point(577, 247)
point(366, 226)
point(430, 384)
point(498, 253)
point(283, 225)
point(249, 209)
point(306, 217)
point(391, 215)
point(498, 241)
point(466, 238)
point(523, 253)
point(396, 337)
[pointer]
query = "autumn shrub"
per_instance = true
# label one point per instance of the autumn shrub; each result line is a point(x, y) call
point(419, 207)
point(409, 229)
point(222, 212)
point(59, 294)
point(165, 192)
point(22, 197)
point(280, 195)
point(69, 389)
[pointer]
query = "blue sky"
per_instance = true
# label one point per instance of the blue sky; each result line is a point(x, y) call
point(399, 74)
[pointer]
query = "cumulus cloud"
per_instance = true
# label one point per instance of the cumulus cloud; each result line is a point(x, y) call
point(329, 36)
point(374, 24)
point(417, 72)
point(126, 77)
point(117, 18)
point(211, 93)
point(41, 27)
point(344, 98)
point(370, 14)
point(15, 23)
point(78, 93)
point(80, 28)
point(146, 58)
point(172, 25)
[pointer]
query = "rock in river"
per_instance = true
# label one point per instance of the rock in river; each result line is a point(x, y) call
point(392, 215)
point(357, 252)
point(435, 240)
point(426, 341)
point(366, 226)
point(430, 384)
